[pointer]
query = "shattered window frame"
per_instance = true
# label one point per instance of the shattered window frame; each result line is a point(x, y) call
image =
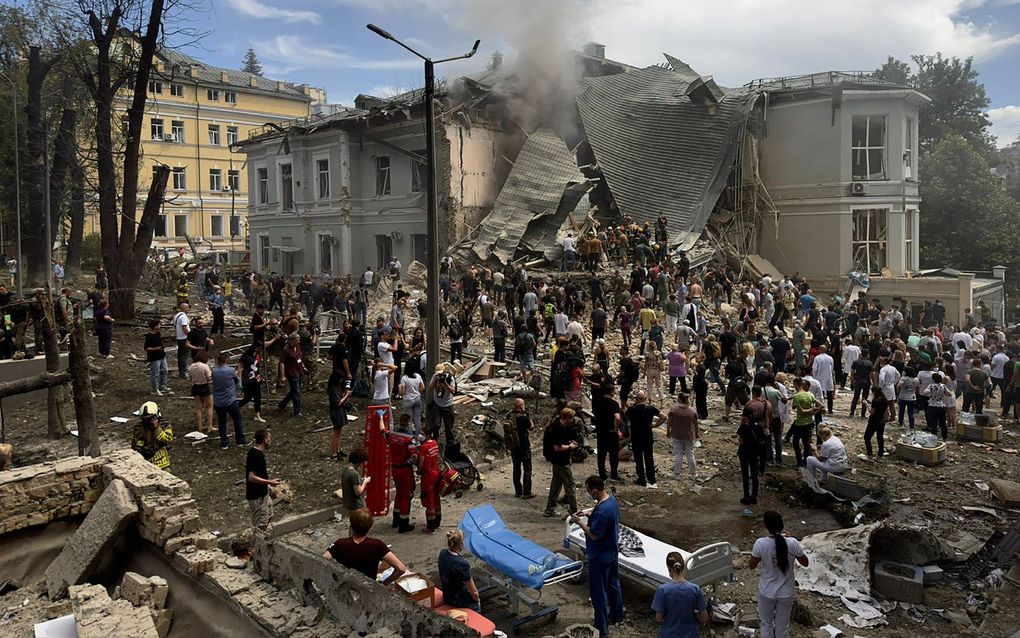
point(286, 171)
point(908, 150)
point(262, 179)
point(870, 239)
point(418, 174)
point(864, 150)
point(322, 177)
point(383, 173)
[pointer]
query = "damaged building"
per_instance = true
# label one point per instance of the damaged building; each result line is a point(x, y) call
point(814, 174)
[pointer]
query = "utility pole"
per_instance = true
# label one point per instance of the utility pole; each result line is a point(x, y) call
point(432, 211)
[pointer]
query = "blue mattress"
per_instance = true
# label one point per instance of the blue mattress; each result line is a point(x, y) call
point(488, 538)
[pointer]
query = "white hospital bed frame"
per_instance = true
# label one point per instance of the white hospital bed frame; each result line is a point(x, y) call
point(518, 595)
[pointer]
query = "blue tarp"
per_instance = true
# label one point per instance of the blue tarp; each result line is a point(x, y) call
point(487, 537)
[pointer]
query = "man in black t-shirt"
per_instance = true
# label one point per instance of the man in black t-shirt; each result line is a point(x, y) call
point(521, 454)
point(338, 354)
point(198, 339)
point(641, 417)
point(155, 355)
point(558, 443)
point(860, 381)
point(257, 482)
point(258, 324)
point(607, 426)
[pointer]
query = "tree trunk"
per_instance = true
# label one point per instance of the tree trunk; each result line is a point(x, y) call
point(64, 148)
point(32, 384)
point(34, 169)
point(81, 390)
point(43, 310)
point(76, 211)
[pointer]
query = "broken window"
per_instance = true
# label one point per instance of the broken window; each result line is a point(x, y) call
point(262, 176)
point(870, 235)
point(383, 249)
point(908, 242)
point(418, 174)
point(908, 150)
point(382, 175)
point(286, 187)
point(868, 148)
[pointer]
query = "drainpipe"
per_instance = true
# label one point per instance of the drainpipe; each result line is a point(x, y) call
point(198, 151)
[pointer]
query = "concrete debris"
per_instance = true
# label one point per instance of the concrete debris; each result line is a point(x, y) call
point(96, 615)
point(150, 593)
point(85, 549)
point(1007, 492)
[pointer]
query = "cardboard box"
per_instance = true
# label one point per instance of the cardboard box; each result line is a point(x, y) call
point(924, 455)
point(968, 432)
point(427, 593)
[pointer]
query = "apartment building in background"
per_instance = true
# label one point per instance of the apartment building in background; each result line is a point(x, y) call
point(194, 113)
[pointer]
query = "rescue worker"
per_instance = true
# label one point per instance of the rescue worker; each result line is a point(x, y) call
point(402, 444)
point(428, 470)
point(183, 290)
point(152, 436)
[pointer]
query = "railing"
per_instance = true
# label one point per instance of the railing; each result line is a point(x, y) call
point(826, 78)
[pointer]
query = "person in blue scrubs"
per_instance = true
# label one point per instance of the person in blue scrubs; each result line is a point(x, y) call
point(602, 534)
point(679, 605)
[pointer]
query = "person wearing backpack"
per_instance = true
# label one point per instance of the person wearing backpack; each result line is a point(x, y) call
point(752, 436)
point(516, 437)
point(456, 341)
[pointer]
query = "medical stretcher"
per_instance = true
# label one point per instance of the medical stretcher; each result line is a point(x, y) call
point(706, 566)
point(513, 565)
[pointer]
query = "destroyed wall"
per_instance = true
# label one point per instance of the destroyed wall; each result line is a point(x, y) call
point(38, 494)
point(473, 150)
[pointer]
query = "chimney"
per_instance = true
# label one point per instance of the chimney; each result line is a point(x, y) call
point(595, 50)
point(193, 71)
point(224, 77)
point(253, 80)
point(280, 85)
point(496, 61)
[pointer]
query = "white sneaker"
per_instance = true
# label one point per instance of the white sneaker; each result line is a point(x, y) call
point(652, 486)
point(259, 419)
point(157, 393)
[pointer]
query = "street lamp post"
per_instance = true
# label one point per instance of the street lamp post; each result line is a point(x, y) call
point(432, 217)
point(17, 179)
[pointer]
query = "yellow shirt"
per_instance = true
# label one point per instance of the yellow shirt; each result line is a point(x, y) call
point(646, 316)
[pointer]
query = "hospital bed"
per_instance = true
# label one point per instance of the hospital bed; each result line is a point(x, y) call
point(513, 565)
point(709, 565)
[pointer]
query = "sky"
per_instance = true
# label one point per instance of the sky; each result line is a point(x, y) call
point(325, 42)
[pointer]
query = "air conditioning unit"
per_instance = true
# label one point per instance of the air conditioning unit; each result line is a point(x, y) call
point(858, 189)
point(227, 189)
point(396, 235)
point(169, 137)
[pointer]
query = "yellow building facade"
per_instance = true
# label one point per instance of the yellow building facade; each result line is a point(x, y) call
point(194, 113)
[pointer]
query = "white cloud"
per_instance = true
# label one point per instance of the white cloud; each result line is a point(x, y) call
point(257, 9)
point(385, 90)
point(1005, 124)
point(286, 53)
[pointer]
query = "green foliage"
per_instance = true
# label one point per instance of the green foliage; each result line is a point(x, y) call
point(91, 251)
point(251, 63)
point(958, 103)
point(895, 71)
point(969, 221)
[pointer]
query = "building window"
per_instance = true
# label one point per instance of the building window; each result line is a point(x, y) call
point(264, 252)
point(234, 180)
point(286, 187)
point(155, 86)
point(180, 182)
point(177, 90)
point(418, 174)
point(322, 177)
point(908, 242)
point(230, 97)
point(215, 179)
point(908, 150)
point(180, 225)
point(868, 152)
point(157, 129)
point(214, 134)
point(212, 95)
point(231, 135)
point(216, 225)
point(177, 130)
point(160, 230)
point(325, 254)
point(383, 249)
point(262, 175)
point(125, 127)
point(418, 248)
point(382, 175)
point(869, 240)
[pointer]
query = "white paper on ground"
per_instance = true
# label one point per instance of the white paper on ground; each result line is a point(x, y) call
point(62, 627)
point(119, 419)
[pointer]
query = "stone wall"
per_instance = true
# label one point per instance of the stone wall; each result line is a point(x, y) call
point(363, 604)
point(39, 494)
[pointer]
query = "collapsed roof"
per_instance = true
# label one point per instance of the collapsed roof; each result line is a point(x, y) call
point(543, 188)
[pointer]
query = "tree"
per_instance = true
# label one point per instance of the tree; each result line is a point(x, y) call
point(895, 71)
point(959, 192)
point(958, 103)
point(251, 63)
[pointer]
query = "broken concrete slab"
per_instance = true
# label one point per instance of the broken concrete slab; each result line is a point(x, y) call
point(1007, 492)
point(96, 615)
point(85, 549)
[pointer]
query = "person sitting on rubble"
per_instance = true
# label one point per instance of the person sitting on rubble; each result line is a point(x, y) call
point(831, 456)
point(362, 553)
point(152, 436)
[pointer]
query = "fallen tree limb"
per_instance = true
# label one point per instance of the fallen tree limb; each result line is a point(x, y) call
point(31, 384)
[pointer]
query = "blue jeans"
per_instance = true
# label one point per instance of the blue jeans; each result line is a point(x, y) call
point(908, 407)
point(234, 411)
point(604, 590)
point(294, 395)
point(158, 374)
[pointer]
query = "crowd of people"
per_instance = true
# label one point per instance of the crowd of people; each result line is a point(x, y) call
point(777, 353)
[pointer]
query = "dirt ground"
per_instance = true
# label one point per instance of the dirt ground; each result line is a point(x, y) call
point(931, 498)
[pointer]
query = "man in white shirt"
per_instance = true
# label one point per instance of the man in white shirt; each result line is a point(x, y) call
point(888, 377)
point(823, 369)
point(831, 455)
point(851, 353)
point(568, 252)
point(1000, 365)
point(961, 335)
point(560, 320)
point(575, 328)
point(181, 328)
point(530, 302)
